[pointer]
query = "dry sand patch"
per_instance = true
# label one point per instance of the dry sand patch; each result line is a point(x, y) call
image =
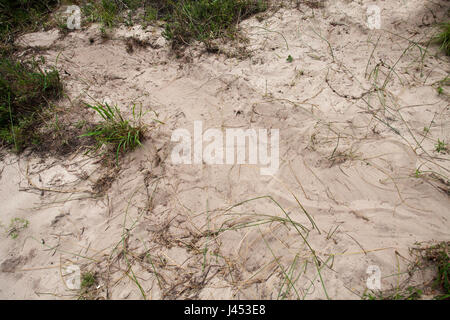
point(351, 108)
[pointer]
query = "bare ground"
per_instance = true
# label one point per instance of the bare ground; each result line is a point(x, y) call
point(359, 181)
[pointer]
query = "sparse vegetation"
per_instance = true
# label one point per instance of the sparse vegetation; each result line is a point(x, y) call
point(441, 146)
point(87, 280)
point(17, 16)
point(185, 21)
point(439, 256)
point(442, 84)
point(160, 245)
point(15, 226)
point(443, 38)
point(435, 257)
point(410, 293)
point(105, 12)
point(87, 286)
point(25, 89)
point(115, 131)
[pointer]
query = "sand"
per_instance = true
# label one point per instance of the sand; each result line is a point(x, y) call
point(348, 158)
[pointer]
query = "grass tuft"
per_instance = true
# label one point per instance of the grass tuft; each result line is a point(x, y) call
point(116, 132)
point(87, 280)
point(441, 146)
point(88, 291)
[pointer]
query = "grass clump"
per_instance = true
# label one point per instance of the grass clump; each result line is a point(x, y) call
point(443, 38)
point(25, 90)
point(88, 291)
point(441, 146)
point(114, 131)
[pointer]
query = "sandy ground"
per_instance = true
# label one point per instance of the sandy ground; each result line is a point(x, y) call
point(348, 158)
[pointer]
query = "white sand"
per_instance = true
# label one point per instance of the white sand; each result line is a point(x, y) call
point(368, 191)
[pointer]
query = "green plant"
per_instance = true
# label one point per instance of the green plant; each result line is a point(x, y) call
point(87, 286)
point(87, 280)
point(289, 59)
point(443, 38)
point(111, 12)
point(441, 146)
point(25, 90)
point(105, 11)
point(115, 131)
point(15, 226)
point(417, 173)
point(150, 14)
